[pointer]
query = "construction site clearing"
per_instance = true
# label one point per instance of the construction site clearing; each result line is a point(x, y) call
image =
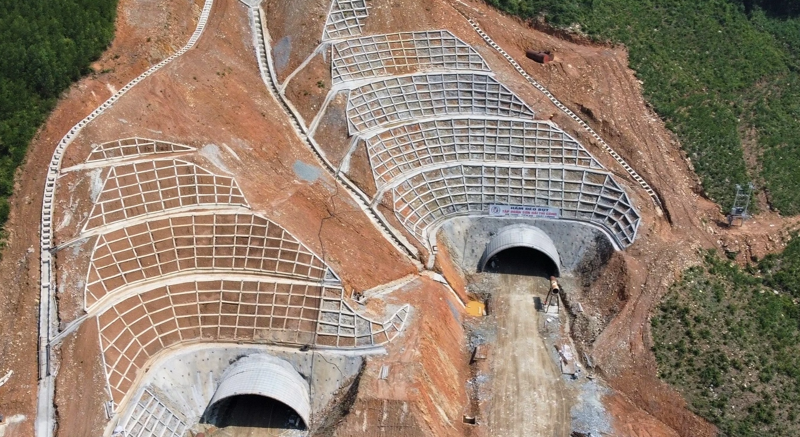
point(349, 217)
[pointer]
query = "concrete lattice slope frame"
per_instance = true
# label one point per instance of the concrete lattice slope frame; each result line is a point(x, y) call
point(151, 417)
point(151, 187)
point(559, 105)
point(408, 147)
point(133, 148)
point(404, 99)
point(395, 54)
point(341, 327)
point(454, 143)
point(45, 410)
point(345, 19)
point(429, 197)
point(196, 242)
point(250, 309)
point(255, 310)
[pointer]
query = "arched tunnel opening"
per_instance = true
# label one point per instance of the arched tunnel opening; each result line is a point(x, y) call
point(521, 249)
point(253, 411)
point(521, 260)
point(260, 391)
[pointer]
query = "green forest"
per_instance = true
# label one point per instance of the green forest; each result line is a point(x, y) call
point(729, 339)
point(723, 74)
point(46, 46)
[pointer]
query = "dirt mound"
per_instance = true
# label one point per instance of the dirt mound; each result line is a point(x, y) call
point(428, 366)
point(296, 30)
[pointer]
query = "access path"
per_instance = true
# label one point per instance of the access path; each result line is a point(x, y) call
point(529, 397)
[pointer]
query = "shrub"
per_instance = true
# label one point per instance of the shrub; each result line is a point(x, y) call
point(749, 386)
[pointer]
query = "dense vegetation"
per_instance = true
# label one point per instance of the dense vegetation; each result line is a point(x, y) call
point(723, 74)
point(46, 45)
point(729, 340)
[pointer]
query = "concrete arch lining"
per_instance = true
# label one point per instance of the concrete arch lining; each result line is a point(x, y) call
point(521, 235)
point(266, 376)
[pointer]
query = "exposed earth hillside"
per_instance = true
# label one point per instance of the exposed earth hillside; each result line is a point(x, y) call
point(386, 317)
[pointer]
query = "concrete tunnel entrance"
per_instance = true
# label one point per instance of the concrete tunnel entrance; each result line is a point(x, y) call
point(521, 249)
point(260, 391)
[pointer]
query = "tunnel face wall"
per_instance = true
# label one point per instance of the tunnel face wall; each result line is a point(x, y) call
point(184, 381)
point(267, 376)
point(580, 247)
point(520, 235)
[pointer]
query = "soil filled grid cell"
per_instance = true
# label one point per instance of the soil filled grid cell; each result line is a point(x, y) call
point(417, 209)
point(402, 53)
point(402, 99)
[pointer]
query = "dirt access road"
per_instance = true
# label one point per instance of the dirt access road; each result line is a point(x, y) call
point(529, 398)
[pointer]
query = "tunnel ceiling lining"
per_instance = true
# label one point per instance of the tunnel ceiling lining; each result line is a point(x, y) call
point(266, 376)
point(521, 236)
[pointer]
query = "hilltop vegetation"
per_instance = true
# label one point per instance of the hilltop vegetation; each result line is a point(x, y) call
point(729, 340)
point(46, 45)
point(723, 74)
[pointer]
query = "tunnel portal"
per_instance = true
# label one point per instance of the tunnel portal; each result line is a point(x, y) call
point(254, 411)
point(260, 391)
point(521, 249)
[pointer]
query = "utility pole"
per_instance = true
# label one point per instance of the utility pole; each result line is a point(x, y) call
point(740, 204)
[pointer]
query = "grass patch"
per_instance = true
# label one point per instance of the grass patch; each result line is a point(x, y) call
point(731, 345)
point(712, 69)
point(46, 45)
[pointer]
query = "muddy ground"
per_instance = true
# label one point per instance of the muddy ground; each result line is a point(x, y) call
point(529, 396)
